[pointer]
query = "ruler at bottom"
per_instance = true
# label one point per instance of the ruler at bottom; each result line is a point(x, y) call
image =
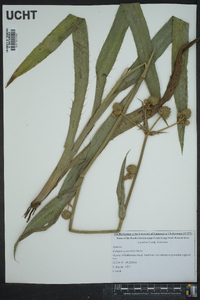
point(150, 291)
point(131, 289)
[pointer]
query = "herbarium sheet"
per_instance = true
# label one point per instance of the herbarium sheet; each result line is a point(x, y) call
point(100, 76)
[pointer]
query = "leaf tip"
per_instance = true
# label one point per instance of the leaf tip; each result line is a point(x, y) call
point(12, 78)
point(15, 248)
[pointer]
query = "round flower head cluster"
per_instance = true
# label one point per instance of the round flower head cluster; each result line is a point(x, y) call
point(164, 112)
point(117, 109)
point(66, 214)
point(152, 100)
point(186, 113)
point(132, 170)
point(183, 116)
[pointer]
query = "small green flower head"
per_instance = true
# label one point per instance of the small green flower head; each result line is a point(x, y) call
point(165, 112)
point(128, 176)
point(187, 122)
point(186, 113)
point(117, 109)
point(183, 116)
point(153, 100)
point(131, 169)
point(66, 214)
point(146, 101)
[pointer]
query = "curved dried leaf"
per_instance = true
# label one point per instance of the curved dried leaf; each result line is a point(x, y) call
point(143, 44)
point(121, 191)
point(137, 115)
point(109, 54)
point(48, 45)
point(180, 37)
point(81, 68)
point(50, 213)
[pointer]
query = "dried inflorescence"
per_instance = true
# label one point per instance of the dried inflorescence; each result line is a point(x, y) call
point(152, 100)
point(183, 116)
point(66, 214)
point(131, 170)
point(117, 109)
point(186, 113)
point(164, 112)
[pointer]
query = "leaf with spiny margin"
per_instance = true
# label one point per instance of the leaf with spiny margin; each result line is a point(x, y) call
point(139, 28)
point(48, 45)
point(180, 37)
point(121, 191)
point(108, 54)
point(81, 68)
point(50, 213)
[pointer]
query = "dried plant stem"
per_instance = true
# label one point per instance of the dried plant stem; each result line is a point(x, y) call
point(126, 204)
point(84, 231)
point(54, 180)
point(157, 131)
point(107, 101)
point(147, 134)
point(134, 178)
point(67, 159)
point(68, 155)
point(155, 123)
point(138, 125)
point(130, 97)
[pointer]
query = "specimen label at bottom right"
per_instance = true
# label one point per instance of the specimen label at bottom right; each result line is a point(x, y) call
point(153, 256)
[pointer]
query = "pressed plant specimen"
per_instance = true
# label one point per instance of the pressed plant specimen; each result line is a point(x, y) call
point(74, 164)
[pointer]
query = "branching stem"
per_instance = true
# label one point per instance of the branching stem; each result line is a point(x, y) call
point(134, 178)
point(68, 158)
point(130, 97)
point(157, 131)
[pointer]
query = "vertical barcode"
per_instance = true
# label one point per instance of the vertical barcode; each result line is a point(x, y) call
point(12, 39)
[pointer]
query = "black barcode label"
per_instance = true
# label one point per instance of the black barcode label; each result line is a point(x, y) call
point(11, 40)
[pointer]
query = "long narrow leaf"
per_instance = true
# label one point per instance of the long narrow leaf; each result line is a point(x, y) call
point(48, 45)
point(109, 54)
point(81, 67)
point(143, 44)
point(180, 37)
point(121, 191)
